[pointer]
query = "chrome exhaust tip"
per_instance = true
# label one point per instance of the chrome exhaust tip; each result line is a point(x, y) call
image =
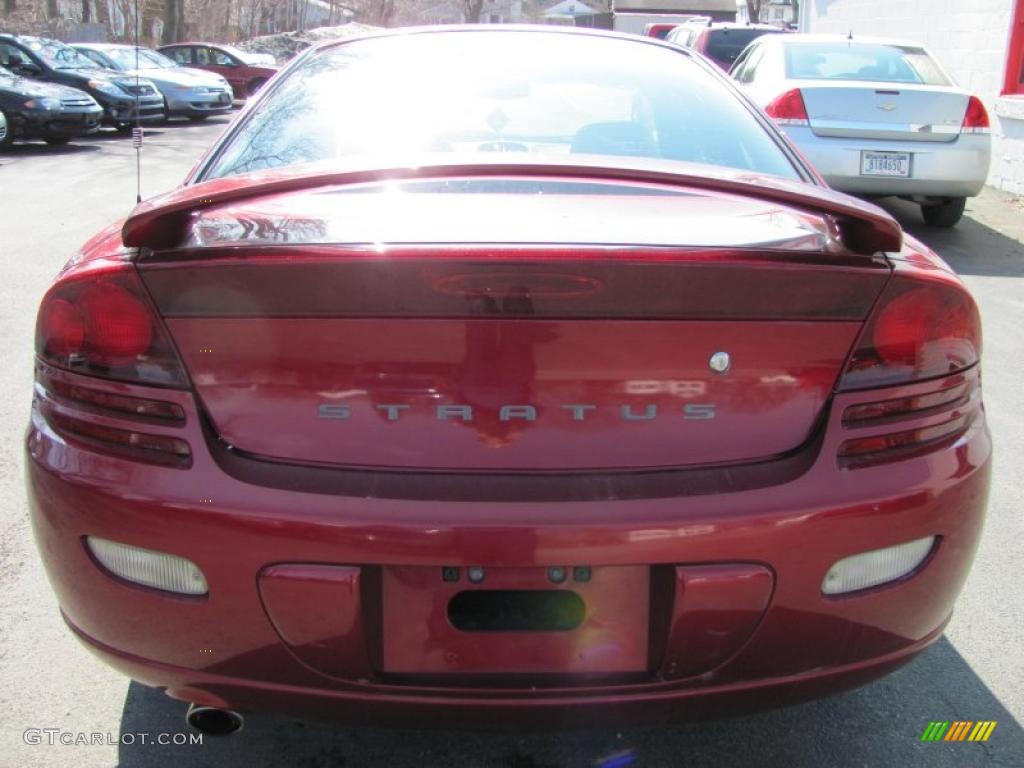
point(212, 721)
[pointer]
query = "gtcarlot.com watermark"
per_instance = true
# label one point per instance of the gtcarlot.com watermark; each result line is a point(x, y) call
point(55, 736)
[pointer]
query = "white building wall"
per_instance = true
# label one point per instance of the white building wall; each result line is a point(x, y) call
point(969, 38)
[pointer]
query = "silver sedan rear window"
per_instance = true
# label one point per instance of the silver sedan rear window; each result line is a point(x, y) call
point(862, 61)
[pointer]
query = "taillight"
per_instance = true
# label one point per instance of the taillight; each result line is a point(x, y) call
point(976, 117)
point(130, 444)
point(788, 109)
point(920, 329)
point(111, 404)
point(103, 324)
point(881, 449)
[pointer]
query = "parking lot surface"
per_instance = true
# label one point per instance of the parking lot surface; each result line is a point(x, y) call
point(54, 199)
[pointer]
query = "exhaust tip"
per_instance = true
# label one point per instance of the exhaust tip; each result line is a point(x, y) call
point(212, 721)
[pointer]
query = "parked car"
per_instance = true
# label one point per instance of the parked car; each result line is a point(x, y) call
point(124, 99)
point(875, 116)
point(191, 93)
point(557, 388)
point(54, 113)
point(659, 29)
point(246, 72)
point(721, 42)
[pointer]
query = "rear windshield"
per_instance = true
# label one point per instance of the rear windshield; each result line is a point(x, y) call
point(728, 44)
point(862, 61)
point(500, 92)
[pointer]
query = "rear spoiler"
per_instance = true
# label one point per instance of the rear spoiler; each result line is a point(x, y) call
point(865, 229)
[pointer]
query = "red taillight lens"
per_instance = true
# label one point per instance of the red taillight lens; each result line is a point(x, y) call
point(788, 109)
point(102, 324)
point(919, 330)
point(976, 117)
point(118, 325)
point(62, 327)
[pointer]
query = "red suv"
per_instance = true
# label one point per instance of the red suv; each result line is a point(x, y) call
point(245, 72)
point(722, 43)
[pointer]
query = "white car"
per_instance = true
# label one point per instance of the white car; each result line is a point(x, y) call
point(874, 116)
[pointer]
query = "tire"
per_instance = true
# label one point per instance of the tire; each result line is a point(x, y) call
point(57, 141)
point(254, 86)
point(945, 214)
point(124, 128)
point(8, 132)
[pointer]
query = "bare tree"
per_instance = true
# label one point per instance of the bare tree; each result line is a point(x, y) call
point(754, 11)
point(174, 21)
point(472, 9)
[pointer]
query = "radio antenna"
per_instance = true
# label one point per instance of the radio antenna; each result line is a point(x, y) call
point(137, 130)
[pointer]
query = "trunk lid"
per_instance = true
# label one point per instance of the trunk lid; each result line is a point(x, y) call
point(512, 325)
point(885, 111)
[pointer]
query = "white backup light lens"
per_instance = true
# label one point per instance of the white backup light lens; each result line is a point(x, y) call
point(149, 568)
point(869, 569)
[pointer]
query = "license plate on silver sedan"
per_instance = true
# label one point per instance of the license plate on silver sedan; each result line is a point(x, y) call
point(885, 164)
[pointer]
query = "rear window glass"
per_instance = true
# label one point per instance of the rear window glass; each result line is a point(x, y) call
point(525, 92)
point(728, 44)
point(862, 61)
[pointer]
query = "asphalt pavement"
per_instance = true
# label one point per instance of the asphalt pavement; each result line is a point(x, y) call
point(53, 199)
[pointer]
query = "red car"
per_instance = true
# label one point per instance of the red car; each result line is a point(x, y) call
point(721, 42)
point(554, 389)
point(245, 72)
point(658, 30)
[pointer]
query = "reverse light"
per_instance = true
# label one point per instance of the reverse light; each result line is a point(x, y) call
point(976, 117)
point(879, 566)
point(148, 567)
point(104, 325)
point(788, 109)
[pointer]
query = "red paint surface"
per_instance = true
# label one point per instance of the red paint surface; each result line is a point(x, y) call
point(238, 516)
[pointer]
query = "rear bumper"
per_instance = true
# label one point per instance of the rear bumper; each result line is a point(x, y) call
point(942, 169)
point(368, 707)
point(223, 650)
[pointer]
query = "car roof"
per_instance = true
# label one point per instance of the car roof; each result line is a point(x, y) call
point(802, 38)
point(107, 46)
point(29, 38)
point(535, 29)
point(730, 25)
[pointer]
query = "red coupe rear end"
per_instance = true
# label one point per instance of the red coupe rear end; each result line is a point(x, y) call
point(556, 421)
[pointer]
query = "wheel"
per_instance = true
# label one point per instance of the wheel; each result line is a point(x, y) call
point(124, 127)
point(254, 86)
point(57, 141)
point(6, 132)
point(197, 118)
point(945, 214)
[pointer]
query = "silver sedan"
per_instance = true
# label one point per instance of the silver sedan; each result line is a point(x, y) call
point(192, 93)
point(876, 117)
